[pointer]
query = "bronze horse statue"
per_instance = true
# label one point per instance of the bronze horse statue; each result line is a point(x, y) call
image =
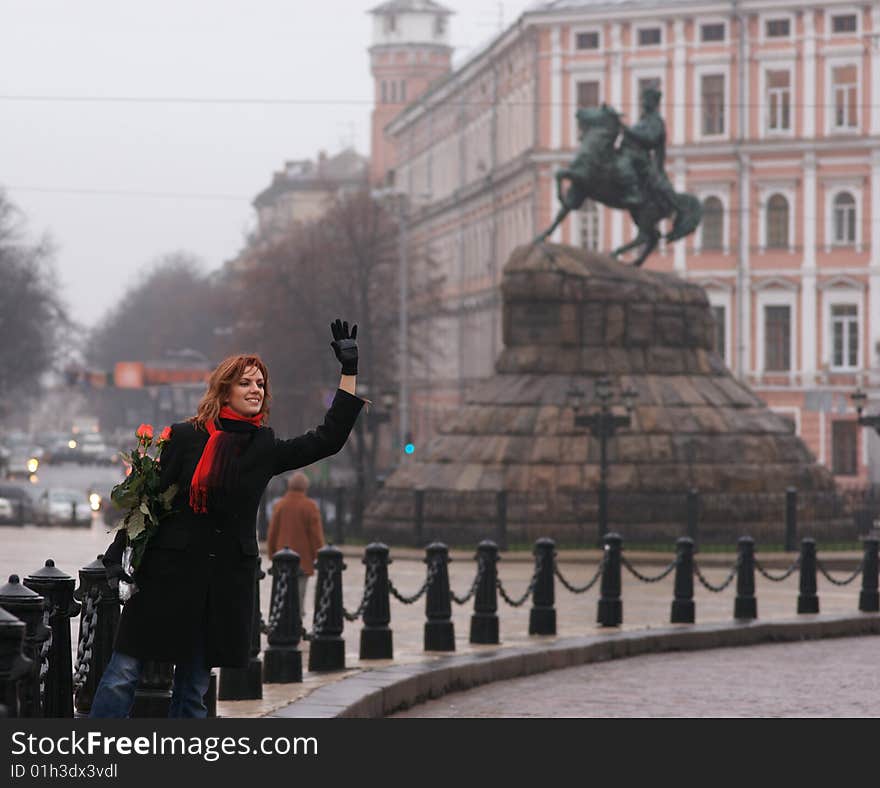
point(621, 177)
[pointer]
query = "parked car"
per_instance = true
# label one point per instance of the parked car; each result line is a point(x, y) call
point(66, 450)
point(59, 506)
point(93, 450)
point(22, 462)
point(7, 512)
point(22, 504)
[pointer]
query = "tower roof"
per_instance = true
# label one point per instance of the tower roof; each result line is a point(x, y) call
point(402, 6)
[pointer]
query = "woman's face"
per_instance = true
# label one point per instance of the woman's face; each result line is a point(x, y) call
point(246, 393)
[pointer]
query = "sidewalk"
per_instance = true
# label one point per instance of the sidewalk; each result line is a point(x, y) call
point(646, 610)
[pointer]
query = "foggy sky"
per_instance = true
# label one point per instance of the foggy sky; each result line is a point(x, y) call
point(199, 162)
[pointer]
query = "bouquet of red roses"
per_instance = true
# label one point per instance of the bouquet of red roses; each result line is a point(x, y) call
point(138, 495)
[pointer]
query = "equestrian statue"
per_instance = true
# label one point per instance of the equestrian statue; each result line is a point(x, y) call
point(630, 177)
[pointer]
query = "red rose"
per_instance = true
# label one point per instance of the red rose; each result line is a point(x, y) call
point(164, 436)
point(144, 433)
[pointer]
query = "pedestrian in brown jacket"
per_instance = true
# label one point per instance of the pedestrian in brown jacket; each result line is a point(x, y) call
point(296, 523)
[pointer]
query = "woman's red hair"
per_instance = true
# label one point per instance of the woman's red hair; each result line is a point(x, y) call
point(228, 372)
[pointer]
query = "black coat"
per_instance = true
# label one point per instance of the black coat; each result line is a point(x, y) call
point(196, 577)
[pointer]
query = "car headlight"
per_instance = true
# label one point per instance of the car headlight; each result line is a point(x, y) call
point(32, 464)
point(95, 501)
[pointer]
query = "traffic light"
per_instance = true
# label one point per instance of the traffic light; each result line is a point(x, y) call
point(408, 446)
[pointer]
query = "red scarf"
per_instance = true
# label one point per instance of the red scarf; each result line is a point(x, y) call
point(208, 470)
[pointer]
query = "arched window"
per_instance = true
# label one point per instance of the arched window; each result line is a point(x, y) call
point(713, 223)
point(589, 222)
point(777, 222)
point(844, 218)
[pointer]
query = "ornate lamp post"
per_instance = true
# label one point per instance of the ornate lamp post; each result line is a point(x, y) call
point(603, 424)
point(859, 398)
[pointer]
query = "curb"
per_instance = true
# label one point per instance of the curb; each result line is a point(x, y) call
point(378, 692)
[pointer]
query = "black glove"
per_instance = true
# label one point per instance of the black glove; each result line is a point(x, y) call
point(344, 346)
point(112, 560)
point(115, 573)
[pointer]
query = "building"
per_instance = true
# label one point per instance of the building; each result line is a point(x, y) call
point(773, 121)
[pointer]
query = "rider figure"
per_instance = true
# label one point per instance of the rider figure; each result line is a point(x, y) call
point(647, 139)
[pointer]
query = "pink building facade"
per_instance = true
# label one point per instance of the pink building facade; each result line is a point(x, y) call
point(773, 121)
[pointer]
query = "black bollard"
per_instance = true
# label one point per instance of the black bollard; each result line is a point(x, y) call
point(246, 683)
point(57, 587)
point(28, 606)
point(610, 608)
point(790, 519)
point(484, 621)
point(693, 515)
point(14, 665)
point(501, 518)
point(439, 629)
point(418, 516)
point(869, 599)
point(745, 606)
point(152, 697)
point(542, 616)
point(282, 659)
point(808, 601)
point(99, 619)
point(376, 636)
point(327, 649)
point(683, 611)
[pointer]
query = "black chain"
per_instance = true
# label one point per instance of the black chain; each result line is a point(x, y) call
point(87, 637)
point(277, 606)
point(644, 578)
point(579, 589)
point(433, 569)
point(462, 600)
point(716, 589)
point(324, 603)
point(532, 583)
point(778, 578)
point(848, 580)
point(369, 586)
point(44, 652)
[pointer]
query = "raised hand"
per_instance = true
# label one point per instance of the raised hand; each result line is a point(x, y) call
point(344, 345)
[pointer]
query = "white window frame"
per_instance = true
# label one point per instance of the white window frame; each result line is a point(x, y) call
point(710, 70)
point(791, 411)
point(723, 194)
point(721, 295)
point(842, 291)
point(765, 192)
point(766, 17)
point(830, 64)
point(645, 72)
point(831, 191)
point(600, 220)
point(584, 73)
point(776, 292)
point(830, 13)
point(711, 20)
point(637, 28)
point(587, 29)
point(764, 104)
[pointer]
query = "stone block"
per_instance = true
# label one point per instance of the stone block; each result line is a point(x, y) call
point(670, 327)
point(615, 324)
point(639, 324)
point(664, 361)
point(593, 322)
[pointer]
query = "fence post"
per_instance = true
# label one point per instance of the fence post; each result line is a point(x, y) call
point(14, 665)
point(808, 601)
point(745, 605)
point(683, 596)
point(693, 515)
point(439, 629)
point(28, 606)
point(610, 608)
point(790, 519)
point(542, 616)
point(484, 621)
point(282, 659)
point(869, 599)
point(327, 649)
point(376, 636)
point(56, 587)
point(501, 518)
point(246, 683)
point(418, 515)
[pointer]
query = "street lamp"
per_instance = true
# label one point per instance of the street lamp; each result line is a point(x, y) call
point(603, 423)
point(859, 399)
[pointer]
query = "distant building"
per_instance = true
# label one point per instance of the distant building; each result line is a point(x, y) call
point(773, 121)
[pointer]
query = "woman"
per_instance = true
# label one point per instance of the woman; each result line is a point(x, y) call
point(194, 603)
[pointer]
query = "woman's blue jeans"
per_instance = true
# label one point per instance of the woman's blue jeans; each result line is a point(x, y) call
point(114, 696)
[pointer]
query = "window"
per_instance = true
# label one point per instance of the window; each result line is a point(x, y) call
point(777, 338)
point(720, 339)
point(384, 91)
point(844, 336)
point(779, 100)
point(648, 82)
point(844, 23)
point(390, 23)
point(712, 88)
point(713, 223)
point(845, 94)
point(712, 32)
point(650, 36)
point(844, 443)
point(589, 222)
point(393, 92)
point(778, 28)
point(588, 94)
point(588, 40)
point(439, 25)
point(403, 91)
point(777, 222)
point(844, 219)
